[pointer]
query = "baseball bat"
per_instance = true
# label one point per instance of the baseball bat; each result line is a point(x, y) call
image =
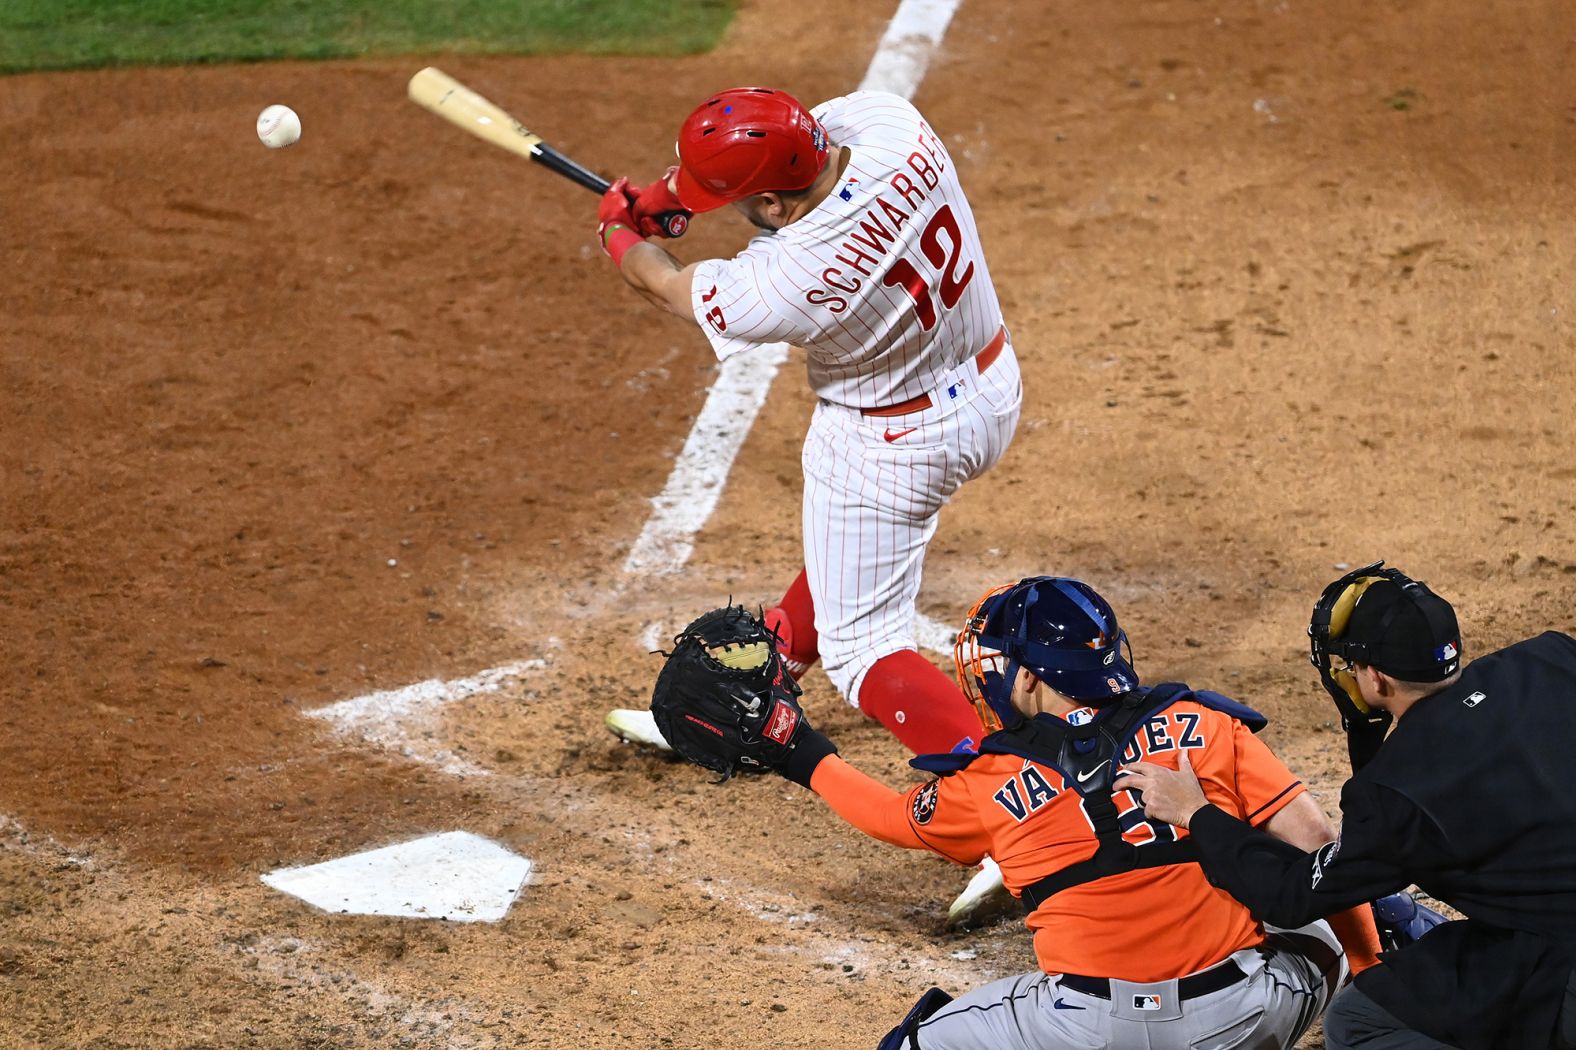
point(435, 91)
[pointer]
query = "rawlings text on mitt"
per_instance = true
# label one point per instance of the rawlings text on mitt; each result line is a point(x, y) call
point(724, 700)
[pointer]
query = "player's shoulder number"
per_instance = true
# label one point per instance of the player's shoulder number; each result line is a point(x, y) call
point(714, 315)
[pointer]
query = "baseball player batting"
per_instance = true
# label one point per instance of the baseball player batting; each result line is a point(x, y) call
point(867, 257)
point(1136, 948)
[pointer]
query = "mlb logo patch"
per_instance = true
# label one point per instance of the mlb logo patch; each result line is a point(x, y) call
point(1146, 1002)
point(1448, 651)
point(1475, 699)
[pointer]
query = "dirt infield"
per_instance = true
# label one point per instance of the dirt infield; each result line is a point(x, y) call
point(1290, 284)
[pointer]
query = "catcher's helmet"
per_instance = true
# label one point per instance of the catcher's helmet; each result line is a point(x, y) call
point(746, 141)
point(1059, 629)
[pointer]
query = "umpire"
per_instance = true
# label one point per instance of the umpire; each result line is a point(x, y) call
point(1469, 798)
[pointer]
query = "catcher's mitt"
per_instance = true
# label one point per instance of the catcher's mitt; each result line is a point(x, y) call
point(724, 700)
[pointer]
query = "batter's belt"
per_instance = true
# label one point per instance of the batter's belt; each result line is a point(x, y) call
point(982, 360)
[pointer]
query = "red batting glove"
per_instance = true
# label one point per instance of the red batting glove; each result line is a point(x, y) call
point(616, 226)
point(654, 206)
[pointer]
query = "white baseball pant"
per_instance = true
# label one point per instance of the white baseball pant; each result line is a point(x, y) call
point(873, 492)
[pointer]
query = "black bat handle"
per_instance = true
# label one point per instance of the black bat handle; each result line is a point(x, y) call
point(553, 160)
point(673, 222)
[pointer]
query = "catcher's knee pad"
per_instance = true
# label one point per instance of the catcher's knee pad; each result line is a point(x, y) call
point(902, 1037)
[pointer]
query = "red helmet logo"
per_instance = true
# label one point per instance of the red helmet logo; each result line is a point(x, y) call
point(746, 141)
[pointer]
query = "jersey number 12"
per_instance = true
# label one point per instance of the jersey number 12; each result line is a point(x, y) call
point(944, 255)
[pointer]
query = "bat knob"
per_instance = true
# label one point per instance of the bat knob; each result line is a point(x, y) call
point(675, 223)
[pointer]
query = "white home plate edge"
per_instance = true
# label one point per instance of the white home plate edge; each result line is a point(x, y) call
point(456, 876)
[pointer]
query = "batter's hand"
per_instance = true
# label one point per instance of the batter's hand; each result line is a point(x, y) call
point(615, 210)
point(658, 211)
point(1171, 795)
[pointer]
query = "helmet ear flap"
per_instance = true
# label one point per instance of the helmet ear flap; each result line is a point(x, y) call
point(997, 690)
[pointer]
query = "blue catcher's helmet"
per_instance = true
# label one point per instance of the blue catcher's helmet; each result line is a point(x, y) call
point(1059, 629)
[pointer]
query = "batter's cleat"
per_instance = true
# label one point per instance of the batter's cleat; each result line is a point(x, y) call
point(983, 899)
point(637, 727)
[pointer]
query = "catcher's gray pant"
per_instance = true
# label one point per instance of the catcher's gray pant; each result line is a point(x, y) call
point(1282, 991)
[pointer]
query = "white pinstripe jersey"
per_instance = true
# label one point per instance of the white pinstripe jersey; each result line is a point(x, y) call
point(884, 283)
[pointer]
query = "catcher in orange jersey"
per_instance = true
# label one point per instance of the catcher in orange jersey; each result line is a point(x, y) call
point(1135, 947)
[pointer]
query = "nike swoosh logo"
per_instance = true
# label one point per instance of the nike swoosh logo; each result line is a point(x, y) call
point(1058, 1004)
point(1083, 778)
point(893, 435)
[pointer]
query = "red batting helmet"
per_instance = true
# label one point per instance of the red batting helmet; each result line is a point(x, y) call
point(745, 141)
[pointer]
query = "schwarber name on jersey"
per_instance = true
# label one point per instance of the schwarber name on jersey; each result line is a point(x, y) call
point(884, 283)
point(1032, 822)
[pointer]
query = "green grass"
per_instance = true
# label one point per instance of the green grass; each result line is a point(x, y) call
point(67, 34)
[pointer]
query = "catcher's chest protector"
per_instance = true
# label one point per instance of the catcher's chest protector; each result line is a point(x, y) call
point(1086, 755)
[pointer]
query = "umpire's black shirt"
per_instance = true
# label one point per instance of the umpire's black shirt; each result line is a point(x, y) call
point(1473, 798)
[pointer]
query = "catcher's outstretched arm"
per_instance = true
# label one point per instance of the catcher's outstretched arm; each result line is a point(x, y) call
point(865, 802)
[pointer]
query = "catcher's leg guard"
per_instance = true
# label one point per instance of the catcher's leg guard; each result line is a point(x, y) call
point(902, 1036)
point(1403, 919)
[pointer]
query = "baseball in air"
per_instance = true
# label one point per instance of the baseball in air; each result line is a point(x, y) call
point(278, 126)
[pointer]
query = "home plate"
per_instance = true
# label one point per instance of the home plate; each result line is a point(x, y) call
point(455, 876)
point(638, 727)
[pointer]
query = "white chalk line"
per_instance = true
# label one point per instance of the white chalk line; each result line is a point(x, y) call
point(693, 488)
point(903, 55)
point(397, 719)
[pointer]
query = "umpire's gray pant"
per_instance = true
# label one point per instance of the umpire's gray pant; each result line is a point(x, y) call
point(1356, 1022)
point(1282, 991)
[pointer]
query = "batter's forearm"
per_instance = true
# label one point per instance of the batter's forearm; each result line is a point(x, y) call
point(660, 278)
